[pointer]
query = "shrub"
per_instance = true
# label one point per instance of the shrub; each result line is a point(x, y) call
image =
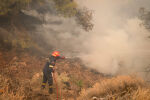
point(118, 88)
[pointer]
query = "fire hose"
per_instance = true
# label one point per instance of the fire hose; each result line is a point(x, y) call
point(55, 80)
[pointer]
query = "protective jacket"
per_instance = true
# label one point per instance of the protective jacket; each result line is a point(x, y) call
point(48, 68)
point(47, 72)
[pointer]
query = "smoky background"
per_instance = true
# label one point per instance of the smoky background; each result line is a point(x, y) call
point(118, 43)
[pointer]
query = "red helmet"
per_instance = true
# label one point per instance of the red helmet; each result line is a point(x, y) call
point(56, 53)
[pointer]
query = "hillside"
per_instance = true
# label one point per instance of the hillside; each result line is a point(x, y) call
point(21, 77)
point(106, 45)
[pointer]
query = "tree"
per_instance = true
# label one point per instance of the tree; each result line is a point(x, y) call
point(12, 6)
point(66, 8)
point(145, 17)
point(69, 8)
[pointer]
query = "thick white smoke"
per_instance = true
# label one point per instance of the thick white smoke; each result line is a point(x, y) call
point(62, 34)
point(118, 44)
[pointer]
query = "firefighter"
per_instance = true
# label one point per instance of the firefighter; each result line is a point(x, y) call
point(49, 70)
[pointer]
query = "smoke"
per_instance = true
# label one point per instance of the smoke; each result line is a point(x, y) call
point(62, 34)
point(118, 44)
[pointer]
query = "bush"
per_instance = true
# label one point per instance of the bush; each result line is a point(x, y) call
point(119, 88)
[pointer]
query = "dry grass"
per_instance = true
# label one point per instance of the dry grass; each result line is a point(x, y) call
point(141, 94)
point(21, 80)
point(118, 88)
point(8, 92)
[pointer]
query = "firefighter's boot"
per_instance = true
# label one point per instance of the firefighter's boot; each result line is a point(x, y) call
point(50, 90)
point(43, 86)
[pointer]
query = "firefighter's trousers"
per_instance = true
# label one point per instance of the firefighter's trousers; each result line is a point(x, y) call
point(49, 78)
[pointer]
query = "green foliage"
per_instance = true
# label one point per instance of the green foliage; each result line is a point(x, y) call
point(83, 18)
point(66, 7)
point(24, 44)
point(18, 42)
point(145, 17)
point(69, 8)
point(79, 83)
point(12, 6)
